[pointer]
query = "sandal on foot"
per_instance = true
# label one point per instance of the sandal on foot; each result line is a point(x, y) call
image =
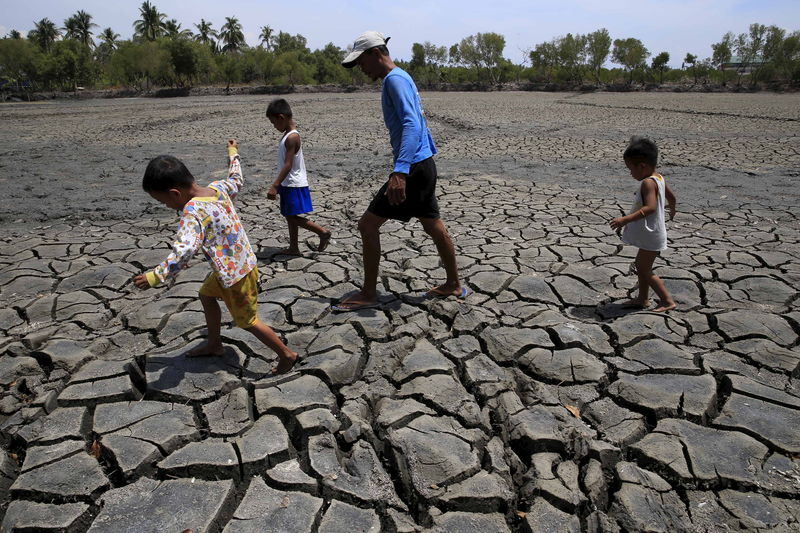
point(344, 307)
point(433, 294)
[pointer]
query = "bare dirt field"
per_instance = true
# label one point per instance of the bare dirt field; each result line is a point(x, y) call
point(537, 403)
point(85, 159)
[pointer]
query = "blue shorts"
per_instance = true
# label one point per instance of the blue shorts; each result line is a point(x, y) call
point(295, 200)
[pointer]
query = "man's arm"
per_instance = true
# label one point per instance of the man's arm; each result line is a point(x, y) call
point(292, 145)
point(396, 190)
point(403, 99)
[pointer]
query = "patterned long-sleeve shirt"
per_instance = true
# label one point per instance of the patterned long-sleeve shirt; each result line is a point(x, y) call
point(210, 224)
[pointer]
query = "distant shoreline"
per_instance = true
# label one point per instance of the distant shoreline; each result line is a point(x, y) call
point(170, 92)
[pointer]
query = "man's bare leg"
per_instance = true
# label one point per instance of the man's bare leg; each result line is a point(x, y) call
point(370, 228)
point(444, 245)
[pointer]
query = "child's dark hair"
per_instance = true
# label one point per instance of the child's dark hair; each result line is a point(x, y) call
point(641, 150)
point(166, 172)
point(279, 106)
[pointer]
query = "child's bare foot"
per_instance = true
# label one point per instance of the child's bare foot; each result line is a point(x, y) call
point(324, 239)
point(289, 251)
point(635, 304)
point(206, 350)
point(664, 306)
point(285, 364)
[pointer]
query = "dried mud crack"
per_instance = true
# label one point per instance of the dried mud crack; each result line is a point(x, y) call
point(535, 404)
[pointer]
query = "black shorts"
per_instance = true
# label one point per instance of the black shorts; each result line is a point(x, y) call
point(420, 199)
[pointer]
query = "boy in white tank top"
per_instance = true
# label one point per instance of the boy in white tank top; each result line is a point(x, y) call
point(291, 183)
point(645, 226)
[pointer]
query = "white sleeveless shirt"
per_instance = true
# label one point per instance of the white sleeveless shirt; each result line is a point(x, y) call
point(297, 176)
point(649, 233)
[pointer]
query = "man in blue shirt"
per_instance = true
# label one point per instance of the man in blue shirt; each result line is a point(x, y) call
point(410, 191)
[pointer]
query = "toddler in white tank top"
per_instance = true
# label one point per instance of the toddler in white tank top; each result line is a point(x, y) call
point(645, 226)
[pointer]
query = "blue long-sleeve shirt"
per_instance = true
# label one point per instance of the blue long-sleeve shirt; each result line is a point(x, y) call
point(402, 112)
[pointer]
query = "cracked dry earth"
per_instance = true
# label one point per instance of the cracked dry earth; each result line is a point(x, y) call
point(535, 405)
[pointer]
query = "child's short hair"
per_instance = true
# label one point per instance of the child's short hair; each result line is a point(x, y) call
point(279, 106)
point(641, 150)
point(166, 172)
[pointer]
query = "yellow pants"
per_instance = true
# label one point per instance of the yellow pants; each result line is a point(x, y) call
point(241, 298)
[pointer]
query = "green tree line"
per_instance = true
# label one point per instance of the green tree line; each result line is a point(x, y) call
point(764, 54)
point(161, 53)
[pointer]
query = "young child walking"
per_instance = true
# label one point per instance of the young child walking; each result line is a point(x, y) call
point(209, 222)
point(645, 227)
point(292, 182)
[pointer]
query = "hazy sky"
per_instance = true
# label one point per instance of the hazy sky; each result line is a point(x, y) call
point(674, 26)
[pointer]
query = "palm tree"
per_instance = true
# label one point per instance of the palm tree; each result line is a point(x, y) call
point(151, 25)
point(79, 27)
point(231, 34)
point(44, 33)
point(14, 34)
point(205, 33)
point(70, 29)
point(266, 36)
point(108, 37)
point(108, 43)
point(173, 30)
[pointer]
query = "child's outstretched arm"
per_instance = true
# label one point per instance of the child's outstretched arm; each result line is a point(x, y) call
point(234, 182)
point(292, 145)
point(670, 201)
point(187, 243)
point(649, 193)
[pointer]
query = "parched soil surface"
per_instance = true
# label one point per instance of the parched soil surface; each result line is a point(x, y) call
point(534, 404)
point(85, 159)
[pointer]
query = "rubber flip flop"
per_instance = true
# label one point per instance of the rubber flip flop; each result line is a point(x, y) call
point(344, 307)
point(433, 295)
